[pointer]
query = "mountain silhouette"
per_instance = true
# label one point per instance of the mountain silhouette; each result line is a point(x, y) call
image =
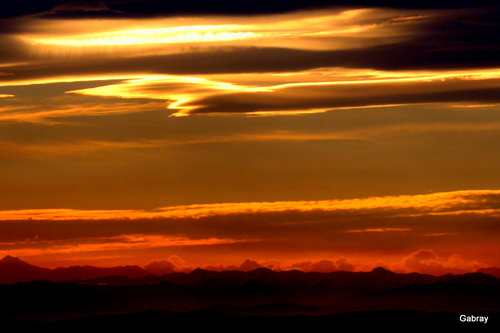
point(249, 265)
point(258, 292)
point(490, 271)
point(14, 270)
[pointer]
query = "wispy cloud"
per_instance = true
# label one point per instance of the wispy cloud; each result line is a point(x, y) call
point(471, 201)
point(315, 61)
point(102, 247)
point(196, 95)
point(316, 30)
point(461, 222)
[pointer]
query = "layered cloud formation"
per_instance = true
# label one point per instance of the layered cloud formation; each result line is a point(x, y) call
point(256, 126)
point(211, 64)
point(460, 226)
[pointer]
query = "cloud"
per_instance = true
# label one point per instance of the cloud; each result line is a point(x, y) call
point(424, 261)
point(426, 257)
point(428, 262)
point(58, 9)
point(323, 96)
point(133, 248)
point(442, 203)
point(343, 264)
point(323, 266)
point(79, 148)
point(352, 38)
point(379, 230)
point(196, 95)
point(160, 267)
point(464, 222)
point(171, 59)
point(85, 124)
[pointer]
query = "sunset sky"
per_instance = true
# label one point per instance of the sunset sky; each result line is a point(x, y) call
point(314, 135)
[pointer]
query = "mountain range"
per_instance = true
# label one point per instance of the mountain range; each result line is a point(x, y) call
point(14, 270)
point(75, 294)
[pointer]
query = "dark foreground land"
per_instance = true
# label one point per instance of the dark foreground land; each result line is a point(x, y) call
point(207, 320)
point(253, 300)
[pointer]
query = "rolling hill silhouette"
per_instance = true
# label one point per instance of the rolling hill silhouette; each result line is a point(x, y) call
point(261, 293)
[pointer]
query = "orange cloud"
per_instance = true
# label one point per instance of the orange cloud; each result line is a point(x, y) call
point(482, 202)
point(192, 95)
point(380, 230)
point(118, 243)
point(165, 266)
point(61, 109)
point(317, 30)
point(314, 61)
point(428, 262)
point(452, 223)
point(325, 265)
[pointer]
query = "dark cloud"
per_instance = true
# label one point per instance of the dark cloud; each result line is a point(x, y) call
point(266, 60)
point(13, 8)
point(367, 224)
point(154, 8)
point(338, 96)
point(456, 39)
point(271, 6)
point(438, 55)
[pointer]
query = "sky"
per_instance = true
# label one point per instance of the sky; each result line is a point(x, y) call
point(332, 135)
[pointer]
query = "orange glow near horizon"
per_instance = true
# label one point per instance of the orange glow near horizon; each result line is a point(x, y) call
point(236, 226)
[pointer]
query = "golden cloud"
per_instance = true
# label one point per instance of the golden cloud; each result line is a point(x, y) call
point(443, 203)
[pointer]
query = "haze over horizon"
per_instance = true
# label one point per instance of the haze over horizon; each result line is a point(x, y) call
point(333, 134)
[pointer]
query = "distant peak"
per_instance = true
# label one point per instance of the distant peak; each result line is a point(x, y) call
point(248, 261)
point(249, 265)
point(11, 258)
point(199, 271)
point(380, 270)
